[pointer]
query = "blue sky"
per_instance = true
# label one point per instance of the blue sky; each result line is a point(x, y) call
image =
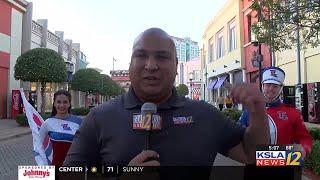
point(107, 28)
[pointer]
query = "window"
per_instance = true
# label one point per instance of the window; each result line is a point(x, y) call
point(188, 51)
point(237, 77)
point(232, 36)
point(196, 75)
point(249, 28)
point(204, 54)
point(220, 45)
point(210, 49)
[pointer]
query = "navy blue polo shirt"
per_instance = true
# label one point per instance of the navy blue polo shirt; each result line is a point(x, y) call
point(107, 136)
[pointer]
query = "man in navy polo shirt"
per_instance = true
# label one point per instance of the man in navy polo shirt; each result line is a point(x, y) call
point(192, 132)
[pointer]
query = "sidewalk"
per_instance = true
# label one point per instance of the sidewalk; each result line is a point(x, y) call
point(312, 125)
point(9, 129)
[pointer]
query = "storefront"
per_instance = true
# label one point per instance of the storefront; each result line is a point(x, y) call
point(4, 71)
point(311, 102)
point(51, 88)
point(216, 85)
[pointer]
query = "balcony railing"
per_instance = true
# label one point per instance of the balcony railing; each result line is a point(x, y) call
point(65, 47)
point(53, 38)
point(74, 54)
point(37, 28)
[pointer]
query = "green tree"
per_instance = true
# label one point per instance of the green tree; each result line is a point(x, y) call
point(109, 87)
point(106, 82)
point(88, 81)
point(182, 90)
point(41, 65)
point(115, 89)
point(122, 91)
point(279, 21)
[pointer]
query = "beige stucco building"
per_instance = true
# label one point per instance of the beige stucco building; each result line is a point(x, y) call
point(221, 52)
point(309, 65)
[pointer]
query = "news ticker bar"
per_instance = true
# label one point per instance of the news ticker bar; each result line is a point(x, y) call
point(165, 172)
point(106, 170)
point(119, 170)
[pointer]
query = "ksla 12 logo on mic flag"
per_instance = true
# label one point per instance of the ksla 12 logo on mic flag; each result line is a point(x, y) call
point(144, 121)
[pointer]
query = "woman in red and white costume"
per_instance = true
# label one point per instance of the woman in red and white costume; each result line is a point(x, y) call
point(61, 127)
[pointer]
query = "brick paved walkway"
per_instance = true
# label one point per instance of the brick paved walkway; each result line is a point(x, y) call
point(14, 152)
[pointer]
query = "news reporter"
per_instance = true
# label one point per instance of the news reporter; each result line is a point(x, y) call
point(192, 132)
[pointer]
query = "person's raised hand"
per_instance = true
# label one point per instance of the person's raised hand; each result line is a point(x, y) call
point(249, 96)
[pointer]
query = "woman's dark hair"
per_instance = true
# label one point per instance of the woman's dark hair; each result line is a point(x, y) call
point(60, 92)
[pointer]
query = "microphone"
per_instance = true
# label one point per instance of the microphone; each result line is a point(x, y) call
point(148, 110)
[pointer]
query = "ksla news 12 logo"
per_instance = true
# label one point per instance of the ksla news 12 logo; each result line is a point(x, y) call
point(278, 156)
point(36, 172)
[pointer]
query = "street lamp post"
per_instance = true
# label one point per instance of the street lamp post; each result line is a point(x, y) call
point(298, 86)
point(191, 89)
point(204, 85)
point(257, 61)
point(258, 57)
point(191, 78)
point(113, 60)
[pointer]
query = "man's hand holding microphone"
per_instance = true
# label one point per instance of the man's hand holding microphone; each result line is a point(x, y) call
point(146, 158)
